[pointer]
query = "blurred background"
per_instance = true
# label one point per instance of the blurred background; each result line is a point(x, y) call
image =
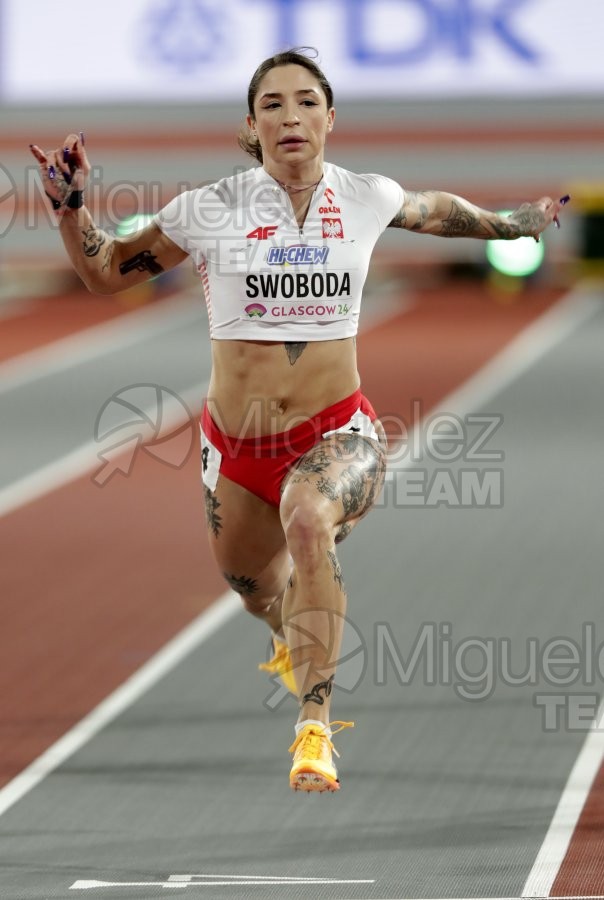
point(498, 100)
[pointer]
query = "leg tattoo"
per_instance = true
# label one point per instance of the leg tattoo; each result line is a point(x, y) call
point(241, 584)
point(212, 518)
point(337, 570)
point(315, 692)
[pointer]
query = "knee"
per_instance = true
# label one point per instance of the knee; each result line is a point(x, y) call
point(308, 532)
point(257, 606)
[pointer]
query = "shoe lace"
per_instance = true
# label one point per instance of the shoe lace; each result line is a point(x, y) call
point(312, 738)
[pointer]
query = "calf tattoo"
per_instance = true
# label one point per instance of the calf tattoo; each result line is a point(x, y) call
point(142, 262)
point(315, 694)
point(337, 569)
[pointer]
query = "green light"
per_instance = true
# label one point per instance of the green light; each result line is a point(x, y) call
point(520, 257)
point(132, 224)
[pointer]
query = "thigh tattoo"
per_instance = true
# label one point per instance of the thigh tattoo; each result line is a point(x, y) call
point(361, 481)
point(241, 584)
point(357, 485)
point(212, 518)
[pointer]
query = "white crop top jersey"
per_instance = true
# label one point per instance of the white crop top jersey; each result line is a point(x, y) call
point(264, 278)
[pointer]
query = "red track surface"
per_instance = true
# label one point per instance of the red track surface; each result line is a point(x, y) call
point(48, 320)
point(345, 135)
point(582, 871)
point(96, 580)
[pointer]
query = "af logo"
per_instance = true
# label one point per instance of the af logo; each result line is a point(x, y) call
point(332, 228)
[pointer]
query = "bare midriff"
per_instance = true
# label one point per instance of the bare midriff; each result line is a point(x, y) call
point(265, 387)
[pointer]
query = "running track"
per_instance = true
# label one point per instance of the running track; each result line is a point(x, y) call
point(95, 580)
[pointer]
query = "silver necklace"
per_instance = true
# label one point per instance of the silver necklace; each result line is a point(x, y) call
point(290, 188)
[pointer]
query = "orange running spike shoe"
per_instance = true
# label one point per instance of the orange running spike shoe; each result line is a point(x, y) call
point(281, 665)
point(312, 768)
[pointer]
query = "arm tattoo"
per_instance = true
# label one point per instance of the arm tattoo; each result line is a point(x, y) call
point(241, 584)
point(505, 231)
point(212, 518)
point(460, 222)
point(315, 692)
point(108, 255)
point(142, 262)
point(337, 570)
point(93, 241)
point(401, 219)
point(294, 350)
point(526, 220)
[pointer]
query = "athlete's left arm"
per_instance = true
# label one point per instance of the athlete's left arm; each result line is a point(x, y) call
point(440, 213)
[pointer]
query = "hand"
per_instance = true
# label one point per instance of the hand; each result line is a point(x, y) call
point(532, 218)
point(63, 170)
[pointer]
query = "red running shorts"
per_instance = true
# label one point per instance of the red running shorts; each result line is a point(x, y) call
point(260, 464)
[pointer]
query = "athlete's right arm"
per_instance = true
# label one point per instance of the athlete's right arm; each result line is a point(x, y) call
point(105, 264)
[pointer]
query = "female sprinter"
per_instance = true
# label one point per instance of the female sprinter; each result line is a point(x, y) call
point(292, 454)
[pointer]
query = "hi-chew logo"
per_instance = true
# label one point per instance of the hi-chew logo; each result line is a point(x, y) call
point(332, 228)
point(297, 255)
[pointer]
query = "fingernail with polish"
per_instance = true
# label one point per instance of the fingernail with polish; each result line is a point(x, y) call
point(51, 172)
point(564, 199)
point(82, 138)
point(66, 154)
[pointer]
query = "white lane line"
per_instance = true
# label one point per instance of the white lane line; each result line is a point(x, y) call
point(84, 885)
point(148, 322)
point(86, 458)
point(156, 668)
point(516, 358)
point(526, 349)
point(99, 340)
point(562, 827)
point(229, 881)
